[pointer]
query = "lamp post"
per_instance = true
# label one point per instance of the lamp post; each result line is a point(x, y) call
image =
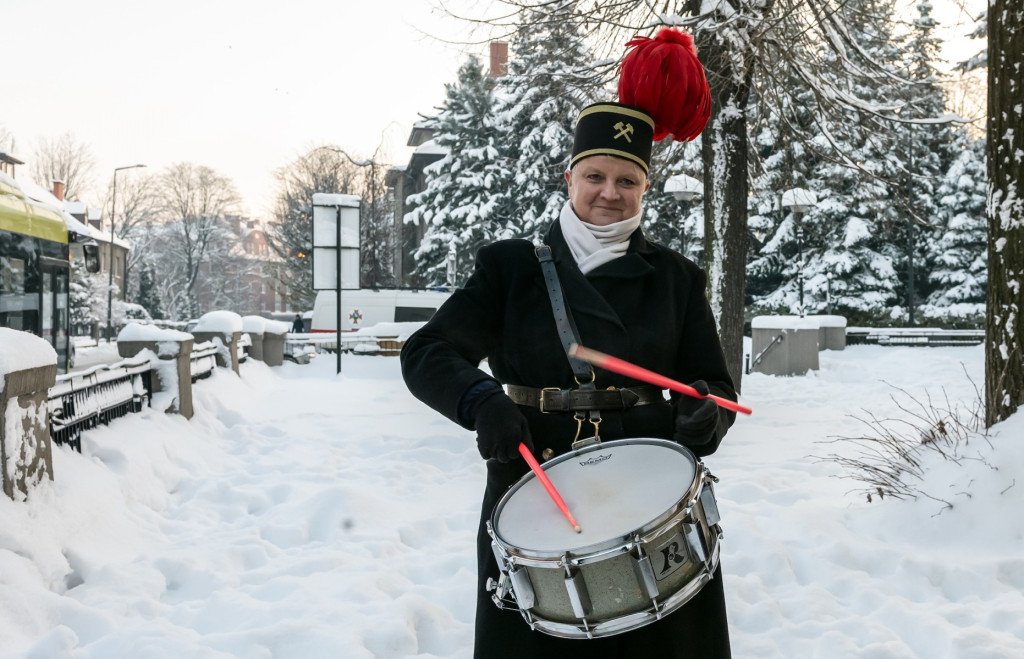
point(110, 264)
point(451, 263)
point(683, 188)
point(799, 201)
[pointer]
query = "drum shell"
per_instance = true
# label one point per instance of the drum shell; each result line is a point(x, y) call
point(618, 575)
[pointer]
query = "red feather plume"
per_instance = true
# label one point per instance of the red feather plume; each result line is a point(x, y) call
point(663, 77)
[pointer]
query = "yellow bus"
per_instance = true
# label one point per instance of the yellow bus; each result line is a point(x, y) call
point(34, 269)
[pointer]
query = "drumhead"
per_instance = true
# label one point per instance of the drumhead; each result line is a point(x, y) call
point(612, 489)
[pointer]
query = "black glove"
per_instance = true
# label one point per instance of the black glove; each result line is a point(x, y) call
point(500, 427)
point(696, 418)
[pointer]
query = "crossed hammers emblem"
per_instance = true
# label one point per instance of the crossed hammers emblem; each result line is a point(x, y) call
point(625, 130)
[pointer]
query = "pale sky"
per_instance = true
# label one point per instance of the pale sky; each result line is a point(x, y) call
point(242, 87)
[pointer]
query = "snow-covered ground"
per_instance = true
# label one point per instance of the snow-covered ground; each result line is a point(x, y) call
point(305, 514)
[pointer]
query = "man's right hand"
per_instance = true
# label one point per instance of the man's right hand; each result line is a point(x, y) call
point(500, 427)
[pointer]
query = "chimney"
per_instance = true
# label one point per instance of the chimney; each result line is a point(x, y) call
point(499, 58)
point(58, 189)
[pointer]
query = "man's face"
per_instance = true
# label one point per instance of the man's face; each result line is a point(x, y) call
point(604, 190)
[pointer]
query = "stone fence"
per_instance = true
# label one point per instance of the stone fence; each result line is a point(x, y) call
point(159, 367)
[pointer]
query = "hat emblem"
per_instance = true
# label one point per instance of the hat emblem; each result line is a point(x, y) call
point(625, 130)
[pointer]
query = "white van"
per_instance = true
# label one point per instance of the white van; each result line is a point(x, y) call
point(366, 308)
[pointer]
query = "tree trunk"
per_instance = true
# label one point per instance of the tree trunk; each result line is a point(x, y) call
point(1004, 326)
point(724, 152)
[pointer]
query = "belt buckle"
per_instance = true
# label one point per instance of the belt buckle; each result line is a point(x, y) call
point(542, 410)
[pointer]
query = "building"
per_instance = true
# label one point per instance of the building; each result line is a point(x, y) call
point(407, 180)
point(241, 279)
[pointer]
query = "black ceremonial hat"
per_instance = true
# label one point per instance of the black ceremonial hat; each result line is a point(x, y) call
point(613, 129)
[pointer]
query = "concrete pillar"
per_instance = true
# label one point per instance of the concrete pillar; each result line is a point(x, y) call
point(28, 368)
point(785, 345)
point(223, 328)
point(831, 332)
point(26, 454)
point(254, 326)
point(171, 360)
point(273, 346)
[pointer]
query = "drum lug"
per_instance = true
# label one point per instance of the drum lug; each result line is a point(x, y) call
point(645, 574)
point(522, 587)
point(579, 596)
point(710, 505)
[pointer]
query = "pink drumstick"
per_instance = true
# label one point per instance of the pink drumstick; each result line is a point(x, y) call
point(546, 482)
point(622, 367)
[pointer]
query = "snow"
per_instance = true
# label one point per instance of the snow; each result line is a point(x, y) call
point(261, 325)
point(305, 514)
point(137, 332)
point(330, 199)
point(224, 322)
point(799, 199)
point(21, 350)
point(784, 322)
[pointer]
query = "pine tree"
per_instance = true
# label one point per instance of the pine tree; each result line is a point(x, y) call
point(926, 151)
point(852, 242)
point(675, 224)
point(550, 79)
point(465, 203)
point(149, 297)
point(84, 296)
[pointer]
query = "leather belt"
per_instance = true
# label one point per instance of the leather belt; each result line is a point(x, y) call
point(552, 399)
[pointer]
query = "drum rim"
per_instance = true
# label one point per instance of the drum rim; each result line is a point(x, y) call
point(602, 547)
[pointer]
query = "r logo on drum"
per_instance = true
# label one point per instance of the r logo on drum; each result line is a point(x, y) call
point(671, 556)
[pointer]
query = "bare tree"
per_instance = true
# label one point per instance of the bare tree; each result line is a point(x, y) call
point(6, 140)
point(1004, 343)
point(195, 203)
point(138, 206)
point(322, 168)
point(66, 159)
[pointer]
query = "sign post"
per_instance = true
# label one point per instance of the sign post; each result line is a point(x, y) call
point(336, 249)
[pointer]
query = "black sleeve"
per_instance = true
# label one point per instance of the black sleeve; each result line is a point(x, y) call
point(440, 361)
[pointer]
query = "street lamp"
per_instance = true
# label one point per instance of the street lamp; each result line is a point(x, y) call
point(451, 264)
point(110, 264)
point(683, 188)
point(799, 201)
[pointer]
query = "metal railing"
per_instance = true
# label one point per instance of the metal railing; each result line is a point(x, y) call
point(910, 336)
point(79, 401)
point(204, 360)
point(776, 340)
point(324, 342)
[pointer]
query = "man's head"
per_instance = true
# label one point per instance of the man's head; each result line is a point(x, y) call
point(606, 189)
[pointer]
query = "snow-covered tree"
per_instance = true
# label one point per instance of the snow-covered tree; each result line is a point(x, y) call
point(195, 202)
point(678, 224)
point(148, 297)
point(550, 79)
point(466, 201)
point(87, 297)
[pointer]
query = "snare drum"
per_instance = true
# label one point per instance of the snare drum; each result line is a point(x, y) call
point(649, 542)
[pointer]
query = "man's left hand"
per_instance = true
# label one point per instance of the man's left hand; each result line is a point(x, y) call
point(696, 418)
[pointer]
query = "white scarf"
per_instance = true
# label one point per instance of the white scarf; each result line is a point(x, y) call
point(593, 245)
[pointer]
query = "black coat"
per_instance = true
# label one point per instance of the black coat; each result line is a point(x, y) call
point(647, 307)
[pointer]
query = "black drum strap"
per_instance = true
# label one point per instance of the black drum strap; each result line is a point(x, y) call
point(567, 331)
point(568, 334)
